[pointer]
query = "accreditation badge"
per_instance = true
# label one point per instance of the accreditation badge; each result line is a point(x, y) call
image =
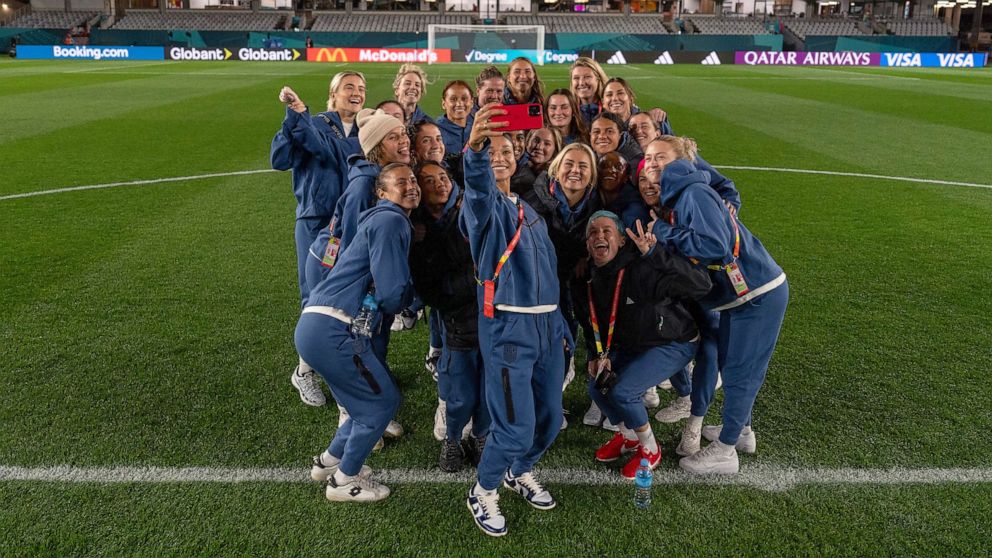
point(737, 279)
point(331, 253)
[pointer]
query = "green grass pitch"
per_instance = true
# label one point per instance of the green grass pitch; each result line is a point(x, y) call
point(152, 325)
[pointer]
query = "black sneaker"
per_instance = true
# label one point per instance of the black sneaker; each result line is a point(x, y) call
point(451, 456)
point(473, 449)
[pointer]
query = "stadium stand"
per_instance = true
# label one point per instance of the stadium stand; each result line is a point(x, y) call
point(832, 26)
point(728, 26)
point(53, 19)
point(199, 19)
point(920, 27)
point(594, 23)
point(380, 22)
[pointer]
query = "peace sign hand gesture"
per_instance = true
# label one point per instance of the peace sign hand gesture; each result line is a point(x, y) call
point(645, 240)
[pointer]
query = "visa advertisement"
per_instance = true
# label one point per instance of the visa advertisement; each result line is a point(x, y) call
point(80, 52)
point(867, 59)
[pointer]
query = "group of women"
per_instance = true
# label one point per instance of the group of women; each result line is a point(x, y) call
point(602, 221)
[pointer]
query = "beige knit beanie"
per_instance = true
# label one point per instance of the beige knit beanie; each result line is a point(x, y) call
point(373, 125)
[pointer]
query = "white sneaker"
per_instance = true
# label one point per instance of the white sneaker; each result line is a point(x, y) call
point(320, 472)
point(650, 399)
point(715, 459)
point(466, 432)
point(607, 425)
point(485, 511)
point(379, 445)
point(342, 415)
point(358, 489)
point(569, 375)
point(667, 384)
point(393, 430)
point(532, 491)
point(719, 381)
point(677, 410)
point(308, 384)
point(746, 443)
point(593, 417)
point(689, 444)
point(431, 360)
point(440, 421)
point(404, 321)
point(564, 423)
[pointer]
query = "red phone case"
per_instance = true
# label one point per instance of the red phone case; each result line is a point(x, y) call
point(520, 117)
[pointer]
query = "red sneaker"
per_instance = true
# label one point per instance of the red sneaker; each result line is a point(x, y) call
point(629, 470)
point(615, 448)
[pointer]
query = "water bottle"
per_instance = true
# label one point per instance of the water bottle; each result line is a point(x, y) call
point(642, 486)
point(362, 323)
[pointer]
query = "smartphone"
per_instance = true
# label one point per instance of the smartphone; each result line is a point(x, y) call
point(520, 117)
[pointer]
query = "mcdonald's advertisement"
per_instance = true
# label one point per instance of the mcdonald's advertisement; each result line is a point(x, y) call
point(418, 55)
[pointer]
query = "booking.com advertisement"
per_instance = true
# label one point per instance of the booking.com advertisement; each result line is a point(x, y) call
point(80, 52)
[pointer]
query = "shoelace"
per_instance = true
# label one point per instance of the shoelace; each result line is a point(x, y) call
point(309, 381)
point(530, 483)
point(451, 450)
point(489, 503)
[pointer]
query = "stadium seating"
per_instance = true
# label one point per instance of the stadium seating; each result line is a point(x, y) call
point(53, 19)
point(199, 19)
point(921, 27)
point(594, 23)
point(833, 26)
point(379, 22)
point(728, 26)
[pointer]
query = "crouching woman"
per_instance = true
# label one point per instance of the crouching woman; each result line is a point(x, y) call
point(334, 334)
point(643, 334)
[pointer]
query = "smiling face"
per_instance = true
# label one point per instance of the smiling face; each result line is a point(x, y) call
point(435, 185)
point(541, 147)
point(502, 158)
point(457, 103)
point(643, 129)
point(349, 98)
point(604, 136)
point(585, 84)
point(649, 189)
point(617, 101)
point(519, 142)
point(603, 241)
point(491, 91)
point(574, 173)
point(559, 112)
point(410, 89)
point(395, 110)
point(400, 187)
point(521, 79)
point(657, 155)
point(428, 145)
point(396, 146)
point(612, 172)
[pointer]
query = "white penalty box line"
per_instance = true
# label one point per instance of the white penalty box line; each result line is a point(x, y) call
point(769, 478)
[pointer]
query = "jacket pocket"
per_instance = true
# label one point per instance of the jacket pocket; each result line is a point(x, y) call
point(367, 375)
point(508, 397)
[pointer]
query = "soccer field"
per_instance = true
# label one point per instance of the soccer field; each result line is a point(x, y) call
point(146, 326)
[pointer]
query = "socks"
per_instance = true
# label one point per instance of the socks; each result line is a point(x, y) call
point(694, 423)
point(304, 367)
point(746, 430)
point(477, 489)
point(340, 478)
point(433, 351)
point(328, 460)
point(646, 438)
point(628, 434)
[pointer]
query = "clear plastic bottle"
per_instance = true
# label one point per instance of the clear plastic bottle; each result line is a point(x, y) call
point(363, 323)
point(642, 486)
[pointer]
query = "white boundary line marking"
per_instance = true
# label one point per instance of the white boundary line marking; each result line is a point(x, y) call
point(763, 477)
point(262, 171)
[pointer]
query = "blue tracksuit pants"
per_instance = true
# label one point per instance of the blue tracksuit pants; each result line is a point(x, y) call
point(748, 335)
point(359, 381)
point(707, 369)
point(307, 229)
point(525, 365)
point(435, 329)
point(460, 385)
point(681, 382)
point(637, 372)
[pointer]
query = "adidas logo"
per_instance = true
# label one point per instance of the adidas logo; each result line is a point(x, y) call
point(711, 59)
point(664, 58)
point(617, 58)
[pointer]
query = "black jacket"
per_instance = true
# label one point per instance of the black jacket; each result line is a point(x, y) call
point(569, 239)
point(444, 276)
point(649, 313)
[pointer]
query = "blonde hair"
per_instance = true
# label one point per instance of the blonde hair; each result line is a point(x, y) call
point(408, 68)
point(684, 147)
point(553, 167)
point(336, 83)
point(587, 62)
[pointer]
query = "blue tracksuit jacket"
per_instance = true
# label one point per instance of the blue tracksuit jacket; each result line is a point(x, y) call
point(316, 150)
point(455, 137)
point(723, 186)
point(359, 196)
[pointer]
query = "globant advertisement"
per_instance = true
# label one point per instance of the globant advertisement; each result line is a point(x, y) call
point(867, 59)
point(80, 52)
point(241, 54)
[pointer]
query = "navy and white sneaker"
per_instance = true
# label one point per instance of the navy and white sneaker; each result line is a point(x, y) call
point(532, 491)
point(484, 506)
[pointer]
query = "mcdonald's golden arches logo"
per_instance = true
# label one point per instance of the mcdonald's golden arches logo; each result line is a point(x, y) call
point(327, 54)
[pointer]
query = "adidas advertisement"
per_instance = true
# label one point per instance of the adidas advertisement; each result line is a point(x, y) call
point(241, 54)
point(665, 58)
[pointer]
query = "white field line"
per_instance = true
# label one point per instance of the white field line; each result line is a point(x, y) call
point(132, 183)
point(261, 171)
point(761, 477)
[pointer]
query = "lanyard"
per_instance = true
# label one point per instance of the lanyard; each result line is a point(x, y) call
point(489, 287)
point(333, 126)
point(737, 239)
point(613, 316)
